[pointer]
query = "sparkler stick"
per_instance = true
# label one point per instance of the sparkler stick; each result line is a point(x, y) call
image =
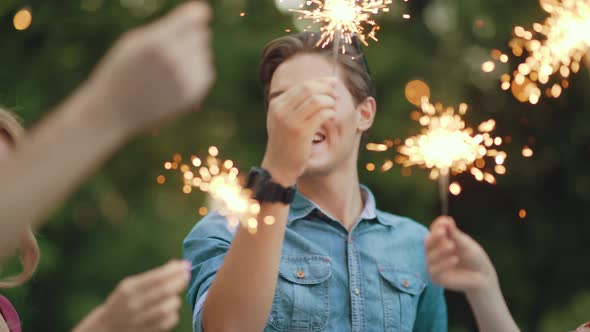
point(443, 190)
point(335, 54)
point(219, 179)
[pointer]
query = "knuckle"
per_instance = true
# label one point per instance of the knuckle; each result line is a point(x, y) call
point(169, 322)
point(274, 105)
point(315, 101)
point(165, 57)
point(308, 88)
point(126, 286)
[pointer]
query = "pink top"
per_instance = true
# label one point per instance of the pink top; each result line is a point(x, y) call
point(9, 314)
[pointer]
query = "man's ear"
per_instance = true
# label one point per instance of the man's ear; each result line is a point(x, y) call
point(366, 114)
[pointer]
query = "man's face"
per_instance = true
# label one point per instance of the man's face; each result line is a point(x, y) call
point(335, 142)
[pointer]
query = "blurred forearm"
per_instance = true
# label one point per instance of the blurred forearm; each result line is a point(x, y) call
point(49, 164)
point(490, 310)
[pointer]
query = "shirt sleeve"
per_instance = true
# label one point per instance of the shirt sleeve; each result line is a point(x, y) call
point(205, 247)
point(432, 310)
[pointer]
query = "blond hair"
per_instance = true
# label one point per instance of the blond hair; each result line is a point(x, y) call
point(12, 131)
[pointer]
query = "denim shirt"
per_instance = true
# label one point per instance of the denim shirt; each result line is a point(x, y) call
point(373, 278)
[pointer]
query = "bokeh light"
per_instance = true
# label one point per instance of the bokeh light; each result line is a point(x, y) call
point(415, 90)
point(23, 19)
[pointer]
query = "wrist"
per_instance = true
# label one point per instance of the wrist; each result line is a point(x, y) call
point(94, 322)
point(486, 288)
point(278, 175)
point(104, 110)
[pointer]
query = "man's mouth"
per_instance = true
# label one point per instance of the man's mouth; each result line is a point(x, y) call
point(318, 138)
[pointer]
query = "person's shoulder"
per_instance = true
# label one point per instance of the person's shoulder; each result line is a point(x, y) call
point(212, 225)
point(403, 224)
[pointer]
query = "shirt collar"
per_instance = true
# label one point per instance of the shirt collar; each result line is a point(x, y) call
point(301, 207)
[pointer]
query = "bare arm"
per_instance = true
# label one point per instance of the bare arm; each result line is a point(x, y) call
point(145, 79)
point(241, 295)
point(459, 263)
point(490, 309)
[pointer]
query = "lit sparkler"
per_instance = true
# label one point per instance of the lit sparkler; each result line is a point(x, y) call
point(342, 20)
point(448, 147)
point(219, 179)
point(554, 50)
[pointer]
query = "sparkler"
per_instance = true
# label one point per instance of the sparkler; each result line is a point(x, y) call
point(448, 147)
point(555, 50)
point(219, 179)
point(342, 20)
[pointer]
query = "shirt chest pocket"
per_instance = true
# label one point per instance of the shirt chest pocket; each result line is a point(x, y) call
point(400, 292)
point(301, 301)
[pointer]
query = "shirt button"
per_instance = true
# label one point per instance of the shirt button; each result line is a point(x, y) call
point(357, 291)
point(300, 274)
point(406, 284)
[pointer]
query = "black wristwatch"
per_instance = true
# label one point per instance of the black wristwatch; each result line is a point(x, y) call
point(264, 190)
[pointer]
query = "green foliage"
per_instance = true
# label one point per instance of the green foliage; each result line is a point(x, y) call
point(121, 222)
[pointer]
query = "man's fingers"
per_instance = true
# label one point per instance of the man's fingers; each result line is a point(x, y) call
point(295, 96)
point(312, 106)
point(320, 117)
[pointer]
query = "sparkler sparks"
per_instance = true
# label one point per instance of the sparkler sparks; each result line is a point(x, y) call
point(343, 19)
point(219, 179)
point(448, 147)
point(555, 50)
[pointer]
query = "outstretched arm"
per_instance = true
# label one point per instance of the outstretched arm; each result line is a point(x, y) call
point(152, 74)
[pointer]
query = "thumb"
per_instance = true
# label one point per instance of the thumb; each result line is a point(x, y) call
point(442, 222)
point(461, 239)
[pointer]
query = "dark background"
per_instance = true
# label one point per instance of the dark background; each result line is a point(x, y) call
point(121, 222)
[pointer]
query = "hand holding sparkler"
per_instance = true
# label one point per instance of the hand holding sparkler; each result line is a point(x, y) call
point(459, 263)
point(455, 260)
point(293, 118)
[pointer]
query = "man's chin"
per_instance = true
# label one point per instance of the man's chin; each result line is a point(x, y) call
point(315, 168)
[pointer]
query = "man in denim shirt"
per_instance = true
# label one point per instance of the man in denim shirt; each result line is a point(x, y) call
point(331, 261)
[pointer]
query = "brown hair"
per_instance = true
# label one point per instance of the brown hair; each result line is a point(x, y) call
point(356, 75)
point(12, 131)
